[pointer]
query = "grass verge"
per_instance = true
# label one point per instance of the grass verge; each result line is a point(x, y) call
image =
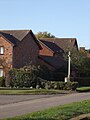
point(29, 91)
point(83, 89)
point(64, 112)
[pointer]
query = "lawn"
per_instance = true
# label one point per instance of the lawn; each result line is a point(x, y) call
point(83, 89)
point(64, 112)
point(30, 91)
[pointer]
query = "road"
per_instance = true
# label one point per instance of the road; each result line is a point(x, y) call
point(18, 105)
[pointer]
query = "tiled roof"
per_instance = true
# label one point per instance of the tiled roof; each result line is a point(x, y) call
point(56, 62)
point(52, 46)
point(15, 36)
point(19, 34)
point(63, 43)
point(11, 38)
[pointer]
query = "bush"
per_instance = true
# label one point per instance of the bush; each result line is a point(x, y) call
point(28, 76)
point(2, 81)
point(71, 85)
point(59, 85)
point(82, 81)
point(22, 79)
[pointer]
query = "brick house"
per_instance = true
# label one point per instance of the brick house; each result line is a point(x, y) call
point(18, 48)
point(53, 50)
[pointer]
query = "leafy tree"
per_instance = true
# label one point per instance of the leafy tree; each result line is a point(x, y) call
point(80, 62)
point(44, 35)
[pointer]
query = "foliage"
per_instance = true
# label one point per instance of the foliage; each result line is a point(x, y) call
point(31, 77)
point(44, 35)
point(34, 76)
point(83, 89)
point(83, 81)
point(59, 85)
point(28, 76)
point(88, 51)
point(2, 82)
point(64, 112)
point(71, 85)
point(78, 59)
point(79, 62)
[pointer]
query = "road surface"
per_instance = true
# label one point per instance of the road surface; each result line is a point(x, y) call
point(35, 103)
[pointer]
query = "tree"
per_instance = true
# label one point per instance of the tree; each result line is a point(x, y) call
point(80, 62)
point(44, 35)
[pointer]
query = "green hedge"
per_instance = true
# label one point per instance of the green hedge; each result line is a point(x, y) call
point(85, 81)
point(2, 82)
point(28, 76)
point(31, 77)
point(58, 85)
point(22, 79)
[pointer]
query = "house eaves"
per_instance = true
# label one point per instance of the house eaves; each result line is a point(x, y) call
point(7, 39)
point(46, 46)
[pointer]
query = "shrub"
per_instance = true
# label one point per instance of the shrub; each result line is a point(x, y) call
point(85, 81)
point(23, 79)
point(59, 85)
point(2, 81)
point(71, 85)
point(28, 76)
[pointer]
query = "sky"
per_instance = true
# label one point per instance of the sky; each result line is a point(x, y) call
point(62, 18)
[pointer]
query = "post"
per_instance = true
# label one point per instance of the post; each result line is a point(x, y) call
point(69, 59)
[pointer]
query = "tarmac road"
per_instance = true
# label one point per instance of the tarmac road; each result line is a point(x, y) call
point(30, 103)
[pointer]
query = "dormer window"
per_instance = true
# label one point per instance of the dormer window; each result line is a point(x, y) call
point(1, 50)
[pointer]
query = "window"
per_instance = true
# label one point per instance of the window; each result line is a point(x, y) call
point(1, 72)
point(1, 50)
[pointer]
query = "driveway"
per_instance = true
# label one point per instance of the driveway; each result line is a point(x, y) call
point(33, 103)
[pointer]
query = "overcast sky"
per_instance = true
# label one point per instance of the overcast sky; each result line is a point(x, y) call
point(62, 18)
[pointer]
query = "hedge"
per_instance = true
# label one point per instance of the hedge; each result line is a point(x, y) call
point(85, 81)
point(31, 78)
point(2, 82)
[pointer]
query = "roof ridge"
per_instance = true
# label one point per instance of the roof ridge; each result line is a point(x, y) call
point(19, 34)
point(13, 29)
point(57, 38)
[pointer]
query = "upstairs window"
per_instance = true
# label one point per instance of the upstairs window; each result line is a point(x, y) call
point(1, 72)
point(1, 50)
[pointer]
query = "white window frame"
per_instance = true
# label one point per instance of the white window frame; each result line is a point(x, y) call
point(1, 50)
point(1, 72)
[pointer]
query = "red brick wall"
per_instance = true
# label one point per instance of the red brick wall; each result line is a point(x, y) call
point(8, 48)
point(26, 52)
point(45, 51)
